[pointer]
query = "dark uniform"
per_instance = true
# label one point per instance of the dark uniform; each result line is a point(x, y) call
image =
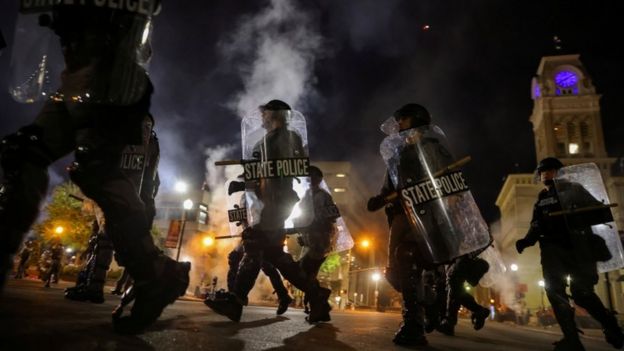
point(29, 246)
point(56, 256)
point(140, 164)
point(567, 251)
point(265, 242)
point(234, 259)
point(405, 267)
point(471, 269)
point(97, 132)
point(316, 239)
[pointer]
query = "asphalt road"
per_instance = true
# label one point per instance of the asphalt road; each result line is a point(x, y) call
point(36, 318)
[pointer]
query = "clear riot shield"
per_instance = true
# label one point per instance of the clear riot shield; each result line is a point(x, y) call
point(343, 240)
point(436, 198)
point(584, 203)
point(497, 269)
point(326, 212)
point(275, 162)
point(82, 51)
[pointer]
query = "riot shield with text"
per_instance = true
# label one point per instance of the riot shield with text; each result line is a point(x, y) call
point(586, 209)
point(237, 210)
point(446, 222)
point(82, 51)
point(275, 162)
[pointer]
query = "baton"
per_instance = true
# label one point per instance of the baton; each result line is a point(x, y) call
point(228, 162)
point(448, 168)
point(289, 231)
point(582, 209)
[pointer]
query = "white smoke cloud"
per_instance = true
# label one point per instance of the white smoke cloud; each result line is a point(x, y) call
point(277, 49)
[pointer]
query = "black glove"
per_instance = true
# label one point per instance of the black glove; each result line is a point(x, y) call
point(235, 187)
point(376, 202)
point(521, 245)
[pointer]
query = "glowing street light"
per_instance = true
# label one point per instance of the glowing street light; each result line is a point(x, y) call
point(208, 241)
point(181, 187)
point(365, 243)
point(513, 267)
point(376, 276)
point(188, 204)
point(59, 230)
point(69, 250)
point(541, 283)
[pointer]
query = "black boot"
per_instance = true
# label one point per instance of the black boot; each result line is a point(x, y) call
point(284, 302)
point(569, 344)
point(446, 327)
point(84, 293)
point(410, 334)
point(613, 333)
point(152, 296)
point(479, 317)
point(226, 305)
point(319, 306)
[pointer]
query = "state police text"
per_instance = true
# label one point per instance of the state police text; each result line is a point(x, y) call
point(142, 7)
point(432, 189)
point(276, 168)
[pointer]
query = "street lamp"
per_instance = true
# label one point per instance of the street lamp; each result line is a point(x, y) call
point(208, 241)
point(513, 267)
point(181, 187)
point(375, 277)
point(187, 205)
point(59, 229)
point(365, 243)
point(542, 285)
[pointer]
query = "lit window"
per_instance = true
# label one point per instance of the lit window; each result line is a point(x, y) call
point(573, 148)
point(339, 190)
point(340, 175)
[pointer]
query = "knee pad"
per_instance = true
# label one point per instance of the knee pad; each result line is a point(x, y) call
point(476, 271)
point(89, 169)
point(234, 257)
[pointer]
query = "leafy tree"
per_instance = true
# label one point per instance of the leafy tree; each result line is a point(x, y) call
point(75, 217)
point(331, 263)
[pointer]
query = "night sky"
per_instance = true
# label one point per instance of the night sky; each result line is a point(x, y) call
point(361, 60)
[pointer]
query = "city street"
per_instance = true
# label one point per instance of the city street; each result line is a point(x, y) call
point(36, 318)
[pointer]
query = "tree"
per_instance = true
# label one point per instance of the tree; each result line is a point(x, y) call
point(67, 217)
point(331, 263)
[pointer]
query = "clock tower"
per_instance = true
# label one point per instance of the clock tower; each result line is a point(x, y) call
point(566, 113)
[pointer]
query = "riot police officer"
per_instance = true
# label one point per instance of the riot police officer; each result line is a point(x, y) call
point(316, 238)
point(27, 250)
point(264, 239)
point(140, 164)
point(566, 252)
point(56, 257)
point(98, 109)
point(403, 273)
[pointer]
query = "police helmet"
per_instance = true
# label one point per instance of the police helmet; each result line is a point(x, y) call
point(549, 163)
point(275, 105)
point(418, 113)
point(315, 172)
